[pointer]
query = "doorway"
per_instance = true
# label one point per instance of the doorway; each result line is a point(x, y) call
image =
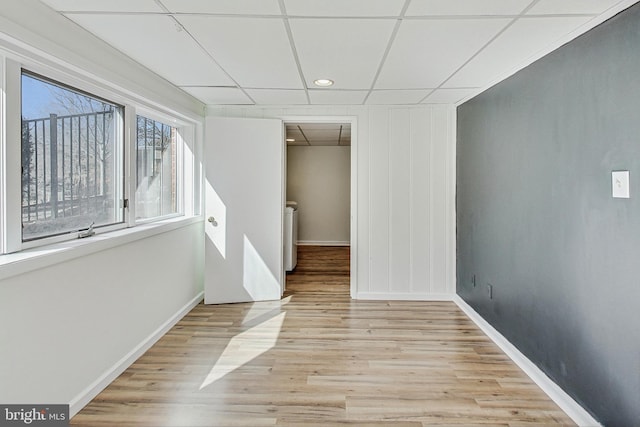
point(318, 189)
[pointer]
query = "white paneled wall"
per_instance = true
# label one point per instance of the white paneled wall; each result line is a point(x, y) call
point(405, 158)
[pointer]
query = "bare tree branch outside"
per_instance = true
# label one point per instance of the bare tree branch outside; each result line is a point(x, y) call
point(72, 162)
point(68, 165)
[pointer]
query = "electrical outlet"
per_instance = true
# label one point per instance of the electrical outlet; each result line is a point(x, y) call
point(490, 290)
point(473, 280)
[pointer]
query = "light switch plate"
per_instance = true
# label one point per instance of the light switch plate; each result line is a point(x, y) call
point(620, 184)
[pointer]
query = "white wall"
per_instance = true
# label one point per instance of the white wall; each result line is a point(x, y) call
point(406, 196)
point(318, 178)
point(70, 319)
point(66, 325)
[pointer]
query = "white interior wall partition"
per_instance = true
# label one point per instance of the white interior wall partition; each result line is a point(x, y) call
point(405, 187)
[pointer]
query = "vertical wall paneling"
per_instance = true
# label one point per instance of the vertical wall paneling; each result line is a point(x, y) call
point(405, 196)
point(419, 211)
point(379, 201)
point(451, 204)
point(400, 189)
point(438, 188)
point(363, 190)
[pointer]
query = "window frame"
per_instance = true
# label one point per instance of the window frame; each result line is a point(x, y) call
point(119, 163)
point(11, 67)
point(3, 162)
point(182, 129)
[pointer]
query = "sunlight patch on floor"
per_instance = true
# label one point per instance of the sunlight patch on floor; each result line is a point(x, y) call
point(245, 347)
point(261, 308)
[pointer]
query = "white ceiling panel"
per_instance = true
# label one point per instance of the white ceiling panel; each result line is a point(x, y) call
point(396, 96)
point(295, 134)
point(219, 95)
point(555, 7)
point(337, 97)
point(319, 133)
point(231, 7)
point(515, 46)
point(158, 45)
point(104, 6)
point(322, 136)
point(248, 51)
point(467, 7)
point(344, 7)
point(449, 96)
point(328, 128)
point(347, 51)
point(278, 96)
point(425, 53)
point(256, 52)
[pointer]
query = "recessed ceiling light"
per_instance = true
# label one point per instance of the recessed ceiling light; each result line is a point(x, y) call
point(323, 82)
point(291, 140)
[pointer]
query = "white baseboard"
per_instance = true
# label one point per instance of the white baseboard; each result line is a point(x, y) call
point(576, 412)
point(398, 296)
point(323, 243)
point(82, 399)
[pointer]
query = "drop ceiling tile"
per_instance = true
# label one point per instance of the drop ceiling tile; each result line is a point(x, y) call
point(449, 96)
point(345, 140)
point(324, 142)
point(513, 49)
point(344, 7)
point(278, 96)
point(232, 7)
point(218, 95)
point(337, 97)
point(390, 97)
point(159, 45)
point(425, 53)
point(104, 6)
point(322, 134)
point(255, 52)
point(555, 7)
point(295, 133)
point(321, 140)
point(347, 51)
point(466, 7)
point(329, 127)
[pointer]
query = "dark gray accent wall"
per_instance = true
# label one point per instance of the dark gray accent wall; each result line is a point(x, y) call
point(537, 221)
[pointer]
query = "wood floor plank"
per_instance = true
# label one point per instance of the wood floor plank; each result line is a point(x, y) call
point(317, 358)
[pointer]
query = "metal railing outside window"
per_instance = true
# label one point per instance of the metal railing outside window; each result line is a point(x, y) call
point(69, 165)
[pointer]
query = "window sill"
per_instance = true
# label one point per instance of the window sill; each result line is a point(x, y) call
point(44, 256)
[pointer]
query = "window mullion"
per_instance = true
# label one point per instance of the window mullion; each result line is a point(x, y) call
point(130, 138)
point(12, 150)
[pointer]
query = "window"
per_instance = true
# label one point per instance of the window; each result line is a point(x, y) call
point(72, 162)
point(80, 157)
point(156, 169)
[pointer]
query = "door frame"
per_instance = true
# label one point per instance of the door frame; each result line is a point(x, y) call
point(353, 231)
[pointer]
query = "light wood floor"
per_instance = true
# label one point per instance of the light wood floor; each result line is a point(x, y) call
point(316, 358)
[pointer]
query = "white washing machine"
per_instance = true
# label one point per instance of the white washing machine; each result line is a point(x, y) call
point(290, 237)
